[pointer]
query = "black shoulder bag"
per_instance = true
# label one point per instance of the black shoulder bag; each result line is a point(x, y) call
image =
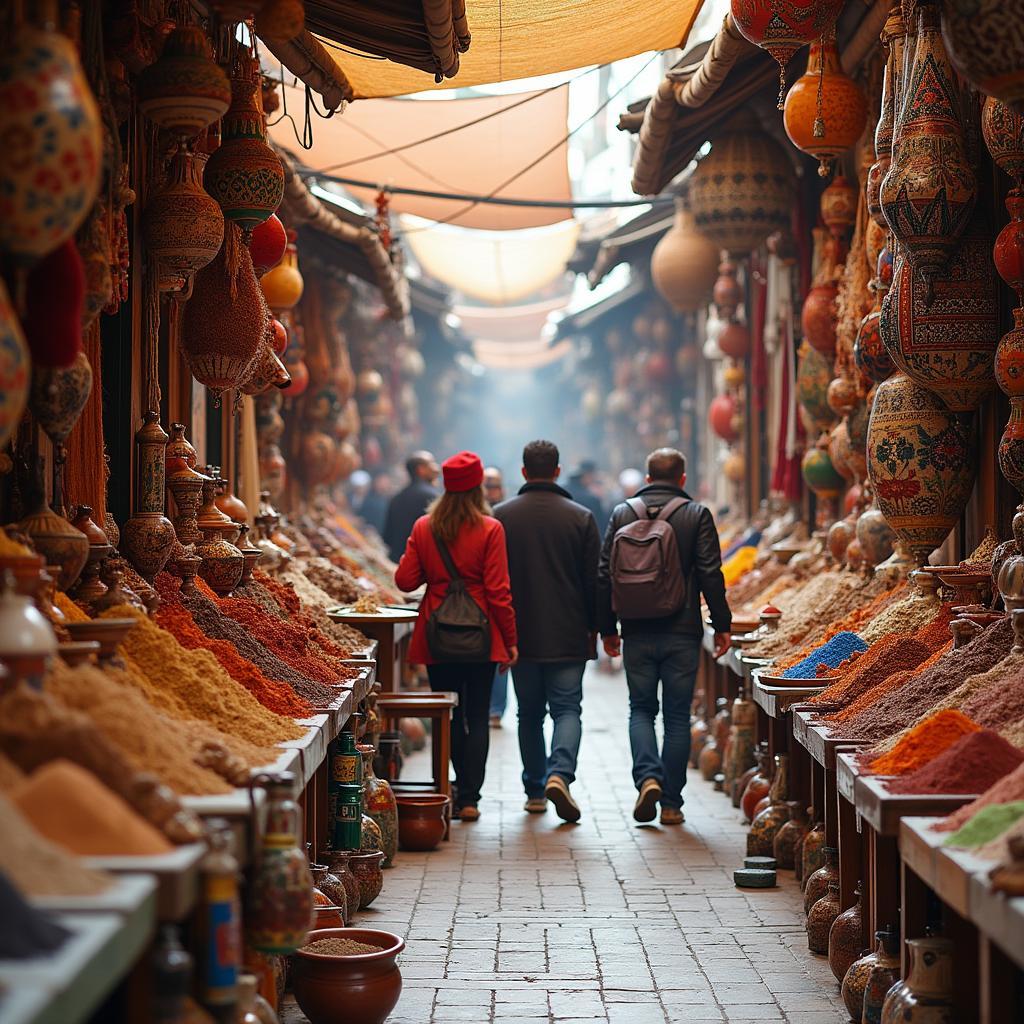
point(458, 630)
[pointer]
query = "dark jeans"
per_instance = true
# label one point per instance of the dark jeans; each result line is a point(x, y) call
point(671, 659)
point(471, 735)
point(541, 687)
point(499, 694)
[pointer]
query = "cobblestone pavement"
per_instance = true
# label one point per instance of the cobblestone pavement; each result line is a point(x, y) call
point(524, 918)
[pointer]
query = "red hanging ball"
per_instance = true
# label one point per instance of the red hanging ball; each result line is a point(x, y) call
point(54, 301)
point(267, 244)
point(280, 339)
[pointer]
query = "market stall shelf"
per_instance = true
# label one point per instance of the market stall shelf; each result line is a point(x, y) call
point(390, 627)
point(176, 875)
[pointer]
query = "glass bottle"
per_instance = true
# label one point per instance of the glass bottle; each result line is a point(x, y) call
point(220, 924)
point(172, 978)
point(252, 1007)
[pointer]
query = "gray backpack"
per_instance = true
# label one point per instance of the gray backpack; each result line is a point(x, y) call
point(646, 570)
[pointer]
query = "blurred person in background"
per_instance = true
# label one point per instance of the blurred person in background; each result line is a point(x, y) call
point(630, 481)
point(494, 492)
point(582, 486)
point(373, 509)
point(410, 502)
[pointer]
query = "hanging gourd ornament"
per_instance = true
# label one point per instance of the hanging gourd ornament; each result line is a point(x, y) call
point(734, 340)
point(782, 26)
point(267, 244)
point(820, 474)
point(280, 337)
point(184, 90)
point(825, 111)
point(722, 417)
point(244, 174)
point(684, 263)
point(282, 285)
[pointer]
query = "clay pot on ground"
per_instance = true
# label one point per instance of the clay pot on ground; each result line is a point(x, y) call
point(844, 939)
point(926, 997)
point(710, 760)
point(821, 918)
point(338, 864)
point(883, 973)
point(757, 788)
point(421, 821)
point(788, 838)
point(855, 983)
point(359, 989)
point(818, 882)
point(366, 866)
point(698, 738)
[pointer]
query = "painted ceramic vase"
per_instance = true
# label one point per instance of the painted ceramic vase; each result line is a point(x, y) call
point(883, 973)
point(812, 851)
point(839, 206)
point(338, 864)
point(825, 110)
point(179, 454)
point(14, 369)
point(818, 317)
point(56, 540)
point(875, 536)
point(782, 26)
point(844, 939)
point(943, 335)
point(184, 90)
point(789, 837)
point(58, 396)
point(53, 143)
point(986, 44)
point(820, 919)
point(279, 909)
point(684, 264)
point(244, 174)
point(893, 36)
point(765, 826)
point(920, 464)
point(818, 881)
point(870, 355)
point(814, 374)
point(926, 997)
point(366, 866)
point(742, 191)
point(148, 536)
point(182, 226)
point(331, 886)
point(821, 475)
point(1002, 128)
point(1008, 251)
point(370, 835)
point(930, 190)
point(379, 803)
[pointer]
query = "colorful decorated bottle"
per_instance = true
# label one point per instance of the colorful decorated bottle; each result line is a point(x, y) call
point(220, 918)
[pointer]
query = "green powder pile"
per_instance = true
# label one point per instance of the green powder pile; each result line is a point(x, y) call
point(988, 824)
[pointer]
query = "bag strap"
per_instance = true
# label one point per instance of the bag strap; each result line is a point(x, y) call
point(667, 510)
point(642, 511)
point(639, 507)
point(446, 557)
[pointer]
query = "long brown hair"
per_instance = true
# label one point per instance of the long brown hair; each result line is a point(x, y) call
point(455, 509)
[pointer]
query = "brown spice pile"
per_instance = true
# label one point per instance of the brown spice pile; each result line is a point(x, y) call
point(1002, 704)
point(908, 615)
point(340, 947)
point(882, 659)
point(311, 604)
point(332, 579)
point(748, 588)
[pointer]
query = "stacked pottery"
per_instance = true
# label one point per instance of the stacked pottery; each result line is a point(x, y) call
point(379, 804)
point(927, 994)
point(844, 939)
point(819, 881)
point(790, 836)
point(765, 826)
point(883, 973)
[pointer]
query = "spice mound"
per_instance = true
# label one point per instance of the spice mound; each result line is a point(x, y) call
point(885, 657)
point(925, 742)
point(987, 825)
point(72, 807)
point(1007, 789)
point(970, 765)
point(366, 606)
point(340, 947)
point(841, 647)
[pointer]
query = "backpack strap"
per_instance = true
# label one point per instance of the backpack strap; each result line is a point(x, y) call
point(668, 509)
point(639, 507)
point(446, 557)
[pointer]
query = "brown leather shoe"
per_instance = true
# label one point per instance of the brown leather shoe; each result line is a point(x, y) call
point(646, 807)
point(557, 791)
point(469, 813)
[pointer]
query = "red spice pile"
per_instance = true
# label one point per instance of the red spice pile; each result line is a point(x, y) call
point(883, 658)
point(971, 765)
point(1009, 787)
point(282, 593)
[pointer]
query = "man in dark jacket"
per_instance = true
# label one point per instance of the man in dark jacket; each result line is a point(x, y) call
point(553, 547)
point(581, 488)
point(410, 503)
point(665, 649)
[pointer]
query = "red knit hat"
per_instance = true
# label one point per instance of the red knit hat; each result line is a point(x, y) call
point(462, 472)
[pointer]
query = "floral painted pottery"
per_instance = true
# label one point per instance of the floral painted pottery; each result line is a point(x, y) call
point(379, 804)
point(926, 997)
point(359, 989)
point(282, 285)
point(812, 851)
point(943, 335)
point(184, 90)
point(58, 397)
point(267, 245)
point(148, 536)
point(814, 374)
point(338, 865)
point(819, 881)
point(822, 916)
point(182, 226)
point(244, 174)
point(930, 190)
point(986, 48)
point(421, 821)
point(1002, 128)
point(893, 36)
point(366, 866)
point(883, 973)
point(742, 191)
point(684, 264)
point(14, 369)
point(844, 939)
point(765, 826)
point(919, 463)
point(782, 26)
point(825, 110)
point(279, 908)
point(52, 137)
point(789, 837)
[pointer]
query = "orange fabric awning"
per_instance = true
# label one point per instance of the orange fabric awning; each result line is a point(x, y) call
point(473, 161)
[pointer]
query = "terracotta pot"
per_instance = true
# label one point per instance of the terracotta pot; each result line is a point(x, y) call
point(819, 881)
point(328, 916)
point(839, 206)
point(684, 263)
point(698, 737)
point(330, 885)
point(267, 244)
point(855, 983)
point(818, 317)
point(421, 821)
point(926, 997)
point(366, 866)
point(883, 973)
point(710, 761)
point(756, 791)
point(875, 536)
point(845, 941)
point(360, 989)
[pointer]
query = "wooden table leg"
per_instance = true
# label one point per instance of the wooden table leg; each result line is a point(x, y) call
point(850, 868)
point(800, 771)
point(441, 752)
point(830, 795)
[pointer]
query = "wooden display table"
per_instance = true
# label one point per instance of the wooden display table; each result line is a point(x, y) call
point(390, 628)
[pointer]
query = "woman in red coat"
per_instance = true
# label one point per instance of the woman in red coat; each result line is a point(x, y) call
point(476, 543)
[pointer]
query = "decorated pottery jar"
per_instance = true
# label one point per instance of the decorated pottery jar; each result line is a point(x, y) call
point(870, 355)
point(267, 244)
point(379, 804)
point(819, 881)
point(814, 374)
point(1002, 127)
point(148, 537)
point(855, 983)
point(926, 997)
point(984, 50)
point(366, 866)
point(684, 263)
point(758, 786)
point(883, 973)
point(788, 838)
point(370, 836)
point(698, 737)
point(844, 939)
point(820, 473)
point(812, 850)
point(338, 864)
point(56, 540)
point(820, 919)
point(58, 396)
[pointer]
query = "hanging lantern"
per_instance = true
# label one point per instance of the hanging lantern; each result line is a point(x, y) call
point(782, 26)
point(267, 244)
point(985, 46)
point(53, 143)
point(684, 263)
point(54, 297)
point(722, 417)
point(825, 111)
point(57, 398)
point(742, 191)
point(734, 340)
point(839, 206)
point(1008, 252)
point(282, 285)
point(728, 292)
point(930, 190)
point(244, 174)
point(184, 90)
point(1003, 130)
point(734, 469)
point(14, 369)
point(734, 375)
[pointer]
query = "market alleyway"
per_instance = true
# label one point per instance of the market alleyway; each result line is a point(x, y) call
point(523, 918)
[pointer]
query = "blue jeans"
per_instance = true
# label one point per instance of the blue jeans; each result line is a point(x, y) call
point(499, 693)
point(542, 687)
point(671, 659)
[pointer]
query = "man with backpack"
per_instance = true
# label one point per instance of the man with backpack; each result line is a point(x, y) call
point(661, 552)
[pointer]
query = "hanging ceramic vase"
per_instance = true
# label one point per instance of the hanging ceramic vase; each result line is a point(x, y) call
point(765, 826)
point(883, 973)
point(1008, 251)
point(814, 374)
point(818, 881)
point(1002, 128)
point(986, 46)
point(14, 369)
point(825, 110)
point(57, 398)
point(927, 994)
point(870, 355)
point(820, 473)
point(279, 909)
point(148, 536)
point(267, 244)
point(920, 464)
point(930, 190)
point(684, 264)
point(844, 939)
point(53, 142)
point(379, 803)
point(893, 36)
point(283, 284)
point(244, 174)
